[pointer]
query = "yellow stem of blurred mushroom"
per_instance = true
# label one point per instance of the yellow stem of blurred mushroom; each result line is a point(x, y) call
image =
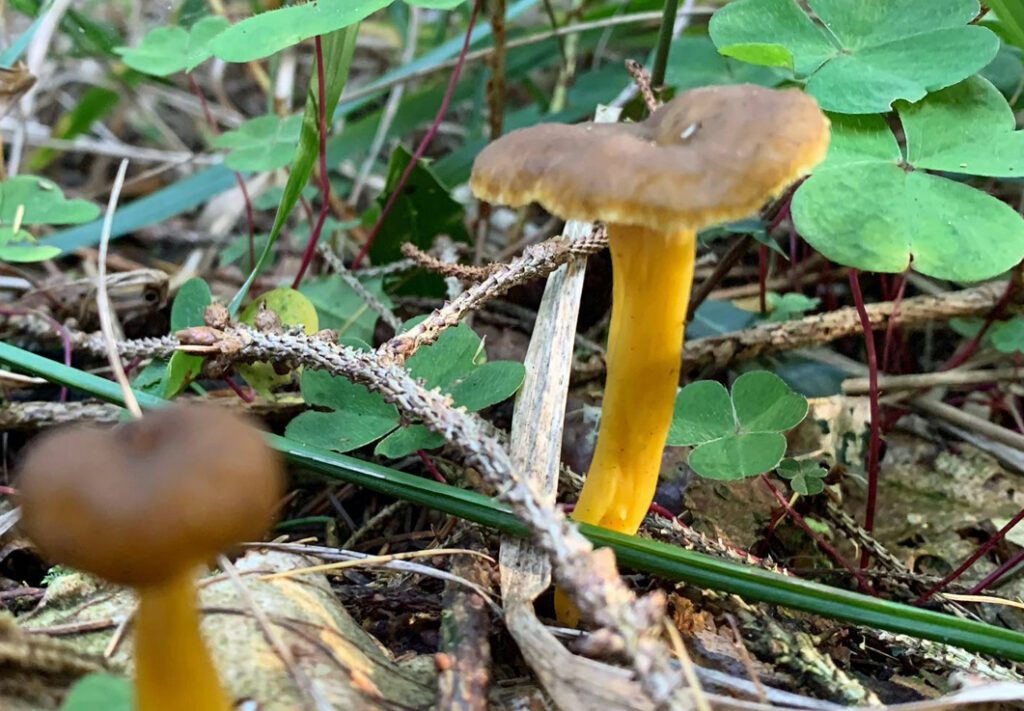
point(652, 273)
point(173, 670)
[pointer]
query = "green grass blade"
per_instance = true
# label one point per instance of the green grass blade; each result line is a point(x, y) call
point(338, 48)
point(641, 554)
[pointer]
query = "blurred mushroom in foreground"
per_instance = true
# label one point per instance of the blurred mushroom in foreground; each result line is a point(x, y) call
point(144, 505)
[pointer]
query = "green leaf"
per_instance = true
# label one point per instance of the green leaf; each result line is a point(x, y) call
point(188, 309)
point(740, 435)
point(338, 48)
point(888, 218)
point(407, 440)
point(968, 128)
point(25, 252)
point(99, 692)
point(791, 305)
point(424, 210)
point(238, 248)
point(806, 477)
point(271, 31)
point(260, 144)
point(436, 4)
point(43, 203)
point(1011, 16)
point(1008, 336)
point(695, 62)
point(169, 50)
point(868, 54)
point(343, 310)
point(867, 208)
point(293, 309)
point(763, 54)
point(358, 417)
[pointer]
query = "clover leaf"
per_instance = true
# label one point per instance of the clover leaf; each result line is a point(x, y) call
point(354, 416)
point(695, 62)
point(736, 436)
point(1008, 336)
point(870, 208)
point(806, 477)
point(865, 54)
point(99, 692)
point(188, 309)
point(341, 309)
point(260, 144)
point(169, 50)
point(268, 32)
point(30, 200)
point(792, 305)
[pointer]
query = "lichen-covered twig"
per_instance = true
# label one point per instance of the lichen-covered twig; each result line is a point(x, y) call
point(372, 302)
point(643, 84)
point(536, 261)
point(589, 576)
point(462, 272)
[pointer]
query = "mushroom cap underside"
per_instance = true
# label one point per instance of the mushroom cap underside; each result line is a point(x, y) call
point(709, 156)
point(145, 501)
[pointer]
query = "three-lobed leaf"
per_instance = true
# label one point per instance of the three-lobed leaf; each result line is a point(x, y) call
point(262, 143)
point(168, 50)
point(864, 55)
point(867, 207)
point(806, 477)
point(736, 435)
point(293, 309)
point(188, 309)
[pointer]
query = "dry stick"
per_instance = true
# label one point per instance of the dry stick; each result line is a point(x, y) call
point(734, 254)
point(536, 261)
point(589, 576)
point(925, 381)
point(427, 138)
point(103, 299)
point(463, 272)
point(719, 351)
point(336, 264)
point(643, 83)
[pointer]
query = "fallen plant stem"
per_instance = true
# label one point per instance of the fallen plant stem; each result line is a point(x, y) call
point(643, 84)
point(337, 265)
point(589, 576)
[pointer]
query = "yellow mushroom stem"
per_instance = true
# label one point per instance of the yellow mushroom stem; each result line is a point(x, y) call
point(173, 670)
point(652, 272)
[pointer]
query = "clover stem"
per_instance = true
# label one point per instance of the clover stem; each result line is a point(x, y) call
point(173, 670)
point(875, 444)
point(651, 290)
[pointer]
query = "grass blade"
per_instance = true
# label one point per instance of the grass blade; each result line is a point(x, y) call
point(642, 554)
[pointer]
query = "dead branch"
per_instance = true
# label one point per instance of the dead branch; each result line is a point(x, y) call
point(590, 577)
point(462, 272)
point(537, 261)
point(720, 351)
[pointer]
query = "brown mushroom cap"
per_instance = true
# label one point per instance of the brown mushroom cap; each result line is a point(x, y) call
point(709, 156)
point(147, 500)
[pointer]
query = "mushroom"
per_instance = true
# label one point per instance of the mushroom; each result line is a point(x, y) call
point(709, 156)
point(144, 505)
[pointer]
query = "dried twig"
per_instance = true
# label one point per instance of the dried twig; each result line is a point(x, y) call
point(462, 272)
point(335, 263)
point(536, 261)
point(589, 576)
point(643, 83)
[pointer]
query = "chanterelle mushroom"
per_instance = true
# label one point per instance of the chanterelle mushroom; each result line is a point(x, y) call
point(144, 505)
point(710, 156)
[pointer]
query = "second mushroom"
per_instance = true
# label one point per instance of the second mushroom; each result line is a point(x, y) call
point(710, 156)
